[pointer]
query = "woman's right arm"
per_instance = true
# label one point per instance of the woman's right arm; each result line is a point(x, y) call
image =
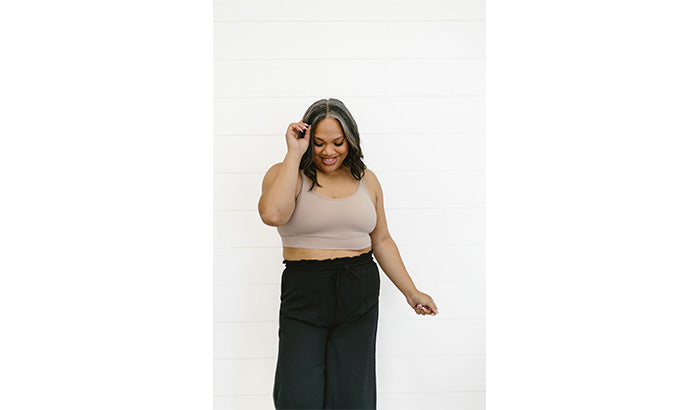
point(276, 203)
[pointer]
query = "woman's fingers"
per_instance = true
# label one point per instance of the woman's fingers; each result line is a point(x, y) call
point(301, 127)
point(423, 310)
point(427, 308)
point(430, 304)
point(433, 306)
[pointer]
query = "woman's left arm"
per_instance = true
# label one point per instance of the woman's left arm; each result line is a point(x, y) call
point(387, 254)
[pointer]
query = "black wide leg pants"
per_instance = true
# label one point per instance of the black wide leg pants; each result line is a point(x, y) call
point(327, 333)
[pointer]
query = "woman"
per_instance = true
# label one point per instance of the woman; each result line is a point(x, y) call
point(329, 211)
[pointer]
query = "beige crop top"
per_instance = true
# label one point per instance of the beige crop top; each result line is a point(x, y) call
point(330, 223)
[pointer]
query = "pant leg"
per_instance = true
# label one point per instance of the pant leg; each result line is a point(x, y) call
point(351, 346)
point(300, 374)
point(350, 364)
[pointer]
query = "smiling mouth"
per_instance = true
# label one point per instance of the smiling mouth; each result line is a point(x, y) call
point(329, 161)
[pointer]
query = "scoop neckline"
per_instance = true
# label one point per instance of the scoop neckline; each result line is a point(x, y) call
point(337, 199)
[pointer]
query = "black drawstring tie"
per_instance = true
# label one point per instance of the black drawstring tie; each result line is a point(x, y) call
point(338, 265)
point(339, 272)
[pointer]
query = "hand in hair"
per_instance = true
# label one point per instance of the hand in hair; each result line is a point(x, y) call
point(296, 145)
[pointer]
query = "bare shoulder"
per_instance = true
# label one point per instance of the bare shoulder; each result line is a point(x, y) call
point(275, 168)
point(371, 177)
point(373, 185)
point(271, 174)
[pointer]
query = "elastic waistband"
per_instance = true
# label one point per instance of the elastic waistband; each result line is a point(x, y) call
point(327, 263)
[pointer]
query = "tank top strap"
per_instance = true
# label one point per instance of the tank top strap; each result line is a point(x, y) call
point(304, 184)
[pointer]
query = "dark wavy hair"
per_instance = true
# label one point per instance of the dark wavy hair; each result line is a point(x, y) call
point(333, 108)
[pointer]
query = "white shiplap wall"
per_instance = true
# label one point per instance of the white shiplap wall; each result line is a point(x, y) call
point(412, 74)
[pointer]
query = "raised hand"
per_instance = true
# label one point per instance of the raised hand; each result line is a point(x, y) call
point(295, 144)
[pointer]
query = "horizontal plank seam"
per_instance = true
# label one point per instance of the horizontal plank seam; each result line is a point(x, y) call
point(226, 21)
point(449, 319)
point(378, 355)
point(344, 58)
point(379, 392)
point(224, 322)
point(442, 282)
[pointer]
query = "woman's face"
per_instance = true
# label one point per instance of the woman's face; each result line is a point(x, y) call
point(330, 146)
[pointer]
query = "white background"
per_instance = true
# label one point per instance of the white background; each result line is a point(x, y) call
point(591, 205)
point(412, 75)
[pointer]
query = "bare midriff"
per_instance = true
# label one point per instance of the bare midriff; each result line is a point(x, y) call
point(297, 254)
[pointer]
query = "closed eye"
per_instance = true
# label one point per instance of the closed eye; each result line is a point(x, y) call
point(337, 145)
